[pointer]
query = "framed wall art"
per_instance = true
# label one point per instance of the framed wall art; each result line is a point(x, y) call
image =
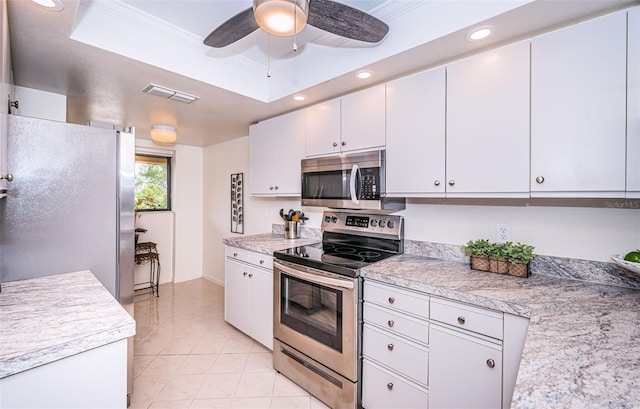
point(237, 216)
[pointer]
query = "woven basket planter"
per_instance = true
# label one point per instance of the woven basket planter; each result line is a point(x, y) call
point(519, 270)
point(479, 263)
point(498, 265)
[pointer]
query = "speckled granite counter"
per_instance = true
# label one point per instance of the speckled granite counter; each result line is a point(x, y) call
point(50, 318)
point(583, 344)
point(267, 243)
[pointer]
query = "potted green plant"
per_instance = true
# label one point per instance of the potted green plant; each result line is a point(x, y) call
point(498, 262)
point(519, 256)
point(479, 251)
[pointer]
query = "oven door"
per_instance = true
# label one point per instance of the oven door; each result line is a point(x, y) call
point(315, 312)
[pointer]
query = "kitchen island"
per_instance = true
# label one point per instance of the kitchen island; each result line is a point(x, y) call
point(581, 348)
point(63, 343)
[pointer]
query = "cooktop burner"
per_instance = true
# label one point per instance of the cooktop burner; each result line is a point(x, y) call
point(338, 258)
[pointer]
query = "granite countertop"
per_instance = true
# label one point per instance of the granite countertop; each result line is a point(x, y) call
point(582, 348)
point(54, 317)
point(267, 243)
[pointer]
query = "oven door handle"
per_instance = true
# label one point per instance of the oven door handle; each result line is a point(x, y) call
point(355, 176)
point(315, 278)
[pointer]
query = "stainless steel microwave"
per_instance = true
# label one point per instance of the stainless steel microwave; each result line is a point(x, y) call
point(347, 181)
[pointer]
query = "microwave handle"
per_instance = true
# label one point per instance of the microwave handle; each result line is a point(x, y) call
point(355, 175)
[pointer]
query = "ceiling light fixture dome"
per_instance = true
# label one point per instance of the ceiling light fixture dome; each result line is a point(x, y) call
point(53, 5)
point(364, 74)
point(281, 17)
point(163, 134)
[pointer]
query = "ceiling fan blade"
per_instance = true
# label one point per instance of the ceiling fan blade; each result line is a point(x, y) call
point(232, 30)
point(346, 21)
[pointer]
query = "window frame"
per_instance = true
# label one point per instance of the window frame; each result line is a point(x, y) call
point(168, 160)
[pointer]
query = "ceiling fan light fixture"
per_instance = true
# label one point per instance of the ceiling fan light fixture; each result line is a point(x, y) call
point(281, 17)
point(163, 134)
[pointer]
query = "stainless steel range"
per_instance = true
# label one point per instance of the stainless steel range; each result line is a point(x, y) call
point(318, 299)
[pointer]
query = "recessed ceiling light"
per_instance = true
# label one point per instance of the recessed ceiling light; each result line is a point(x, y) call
point(479, 33)
point(53, 5)
point(364, 74)
point(299, 97)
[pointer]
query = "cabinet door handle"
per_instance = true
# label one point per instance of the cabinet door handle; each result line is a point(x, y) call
point(276, 187)
point(270, 187)
point(390, 386)
point(436, 182)
point(390, 323)
point(344, 143)
point(244, 274)
point(250, 275)
point(461, 320)
point(452, 182)
point(391, 300)
point(390, 347)
point(8, 177)
point(261, 261)
point(335, 144)
point(235, 254)
point(540, 179)
point(491, 363)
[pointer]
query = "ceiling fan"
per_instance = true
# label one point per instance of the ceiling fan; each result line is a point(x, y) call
point(288, 17)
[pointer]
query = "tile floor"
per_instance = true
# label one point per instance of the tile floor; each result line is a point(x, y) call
point(187, 356)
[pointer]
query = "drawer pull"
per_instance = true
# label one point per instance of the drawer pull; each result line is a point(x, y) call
point(390, 347)
point(261, 261)
point(235, 254)
point(491, 363)
point(390, 386)
point(244, 274)
point(461, 320)
point(391, 300)
point(250, 275)
point(390, 323)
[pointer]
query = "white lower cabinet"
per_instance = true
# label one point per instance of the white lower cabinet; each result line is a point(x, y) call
point(248, 294)
point(424, 351)
point(464, 371)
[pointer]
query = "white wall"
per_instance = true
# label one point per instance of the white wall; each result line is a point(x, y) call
point(179, 232)
point(41, 104)
point(220, 161)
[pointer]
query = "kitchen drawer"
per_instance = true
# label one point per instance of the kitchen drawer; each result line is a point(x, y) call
point(382, 389)
point(397, 323)
point(479, 320)
point(396, 298)
point(262, 260)
point(238, 254)
point(404, 356)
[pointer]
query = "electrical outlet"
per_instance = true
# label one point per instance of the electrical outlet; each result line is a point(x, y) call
point(503, 232)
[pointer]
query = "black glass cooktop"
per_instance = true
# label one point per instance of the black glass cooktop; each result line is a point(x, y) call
point(339, 258)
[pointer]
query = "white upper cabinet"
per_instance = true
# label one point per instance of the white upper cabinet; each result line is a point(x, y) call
point(363, 119)
point(633, 105)
point(323, 128)
point(351, 123)
point(578, 106)
point(415, 160)
point(276, 147)
point(488, 124)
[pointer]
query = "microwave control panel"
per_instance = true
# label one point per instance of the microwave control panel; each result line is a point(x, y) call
point(370, 189)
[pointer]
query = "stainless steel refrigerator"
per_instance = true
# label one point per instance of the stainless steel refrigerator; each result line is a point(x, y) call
point(70, 206)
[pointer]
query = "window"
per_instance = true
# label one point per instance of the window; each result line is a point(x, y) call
point(153, 183)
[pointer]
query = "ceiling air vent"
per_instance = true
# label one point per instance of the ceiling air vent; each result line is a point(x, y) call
point(169, 93)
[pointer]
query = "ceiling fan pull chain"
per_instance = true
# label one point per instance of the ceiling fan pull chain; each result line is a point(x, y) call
point(295, 26)
point(268, 55)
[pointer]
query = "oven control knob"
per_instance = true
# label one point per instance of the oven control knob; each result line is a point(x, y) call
point(391, 224)
point(382, 223)
point(334, 219)
point(374, 222)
